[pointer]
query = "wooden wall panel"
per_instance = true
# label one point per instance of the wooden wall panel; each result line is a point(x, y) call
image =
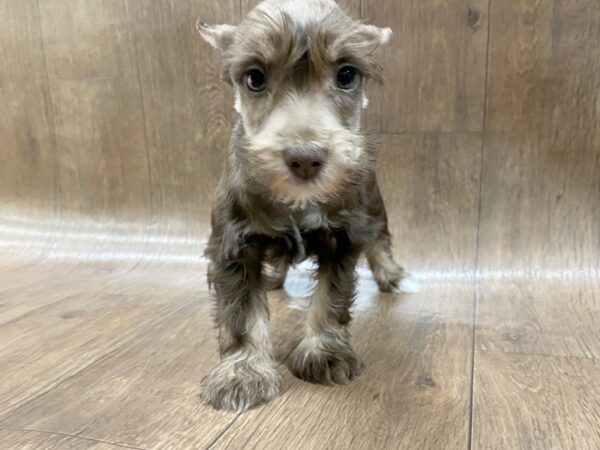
point(434, 65)
point(430, 183)
point(540, 219)
point(100, 136)
point(188, 107)
point(541, 191)
point(85, 40)
point(29, 164)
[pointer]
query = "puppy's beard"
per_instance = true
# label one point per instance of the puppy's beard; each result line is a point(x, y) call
point(265, 167)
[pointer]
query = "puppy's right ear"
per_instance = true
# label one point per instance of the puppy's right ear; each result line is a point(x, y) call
point(219, 36)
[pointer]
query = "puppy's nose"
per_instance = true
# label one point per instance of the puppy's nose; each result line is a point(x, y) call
point(305, 162)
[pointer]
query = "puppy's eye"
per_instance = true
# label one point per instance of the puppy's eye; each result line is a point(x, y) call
point(347, 78)
point(255, 80)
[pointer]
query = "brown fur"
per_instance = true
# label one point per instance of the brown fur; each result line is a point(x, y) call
point(264, 219)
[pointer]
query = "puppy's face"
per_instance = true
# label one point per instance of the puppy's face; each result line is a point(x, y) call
point(299, 70)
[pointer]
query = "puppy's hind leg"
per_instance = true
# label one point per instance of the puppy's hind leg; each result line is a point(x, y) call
point(387, 273)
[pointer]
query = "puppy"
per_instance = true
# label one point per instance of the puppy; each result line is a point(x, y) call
point(299, 182)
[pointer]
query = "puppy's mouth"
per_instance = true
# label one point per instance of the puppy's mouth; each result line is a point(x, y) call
point(300, 173)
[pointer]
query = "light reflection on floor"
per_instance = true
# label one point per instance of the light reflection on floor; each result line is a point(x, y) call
point(300, 284)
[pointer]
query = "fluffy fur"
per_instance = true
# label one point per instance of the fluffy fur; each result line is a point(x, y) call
point(264, 218)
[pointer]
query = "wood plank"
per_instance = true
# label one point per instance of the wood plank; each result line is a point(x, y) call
point(97, 312)
point(87, 40)
point(29, 169)
point(100, 134)
point(541, 192)
point(540, 219)
point(434, 66)
point(189, 109)
point(413, 393)
point(429, 183)
point(528, 401)
point(32, 440)
point(147, 394)
point(540, 316)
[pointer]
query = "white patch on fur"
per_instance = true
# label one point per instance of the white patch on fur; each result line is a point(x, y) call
point(237, 102)
point(365, 100)
point(302, 13)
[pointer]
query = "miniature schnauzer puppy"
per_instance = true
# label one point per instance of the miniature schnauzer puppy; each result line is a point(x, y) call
point(299, 182)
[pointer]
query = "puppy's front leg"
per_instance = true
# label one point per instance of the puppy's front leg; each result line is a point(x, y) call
point(246, 375)
point(324, 355)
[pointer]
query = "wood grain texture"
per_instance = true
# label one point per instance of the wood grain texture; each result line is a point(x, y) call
point(83, 41)
point(541, 191)
point(146, 392)
point(34, 440)
point(549, 317)
point(100, 134)
point(434, 65)
point(540, 220)
point(431, 184)
point(189, 109)
point(85, 316)
point(529, 401)
point(26, 120)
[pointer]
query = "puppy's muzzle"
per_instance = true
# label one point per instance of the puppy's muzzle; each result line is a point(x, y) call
point(305, 162)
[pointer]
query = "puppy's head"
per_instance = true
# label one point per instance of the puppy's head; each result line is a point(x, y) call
point(299, 71)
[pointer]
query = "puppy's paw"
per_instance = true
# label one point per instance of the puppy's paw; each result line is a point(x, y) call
point(393, 278)
point(238, 384)
point(322, 360)
point(388, 276)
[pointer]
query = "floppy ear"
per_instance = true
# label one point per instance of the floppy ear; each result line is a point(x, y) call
point(219, 36)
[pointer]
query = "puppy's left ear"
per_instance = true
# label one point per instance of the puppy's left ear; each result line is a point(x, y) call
point(219, 36)
point(375, 36)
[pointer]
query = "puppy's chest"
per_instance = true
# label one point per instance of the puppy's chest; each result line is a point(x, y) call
point(314, 231)
point(290, 232)
point(310, 219)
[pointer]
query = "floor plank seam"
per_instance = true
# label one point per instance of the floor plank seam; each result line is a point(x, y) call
point(478, 237)
point(222, 433)
point(51, 113)
point(538, 354)
point(75, 436)
point(39, 395)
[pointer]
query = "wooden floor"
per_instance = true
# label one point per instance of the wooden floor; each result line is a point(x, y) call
point(112, 130)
